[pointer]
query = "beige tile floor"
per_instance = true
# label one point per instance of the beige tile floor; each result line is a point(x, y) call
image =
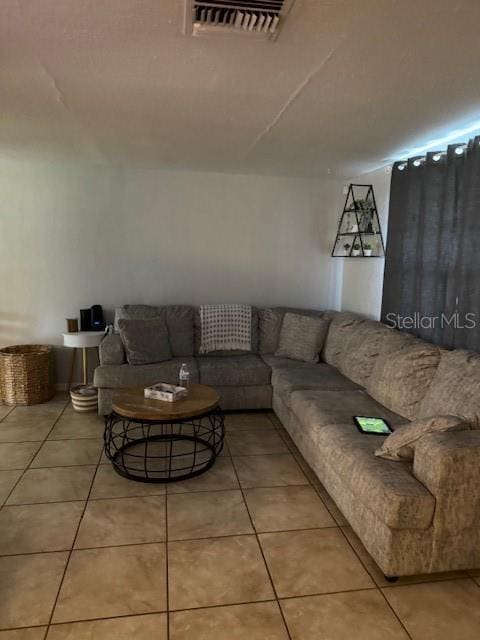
point(254, 549)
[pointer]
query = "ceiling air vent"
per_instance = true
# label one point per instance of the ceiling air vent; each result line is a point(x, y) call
point(253, 18)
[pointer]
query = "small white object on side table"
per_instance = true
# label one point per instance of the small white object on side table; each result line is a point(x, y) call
point(84, 396)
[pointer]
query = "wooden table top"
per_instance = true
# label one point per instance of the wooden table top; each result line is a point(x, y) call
point(131, 403)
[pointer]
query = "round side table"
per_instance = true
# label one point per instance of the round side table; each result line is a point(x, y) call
point(84, 396)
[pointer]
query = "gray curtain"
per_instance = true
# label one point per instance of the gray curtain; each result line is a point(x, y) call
point(432, 268)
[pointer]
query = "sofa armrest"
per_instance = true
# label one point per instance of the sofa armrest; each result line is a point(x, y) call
point(111, 350)
point(448, 464)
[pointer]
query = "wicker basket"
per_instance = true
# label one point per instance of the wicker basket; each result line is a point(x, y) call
point(27, 374)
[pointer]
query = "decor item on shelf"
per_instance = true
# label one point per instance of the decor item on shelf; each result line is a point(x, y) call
point(360, 225)
point(84, 396)
point(367, 249)
point(348, 222)
point(365, 225)
point(72, 325)
point(27, 374)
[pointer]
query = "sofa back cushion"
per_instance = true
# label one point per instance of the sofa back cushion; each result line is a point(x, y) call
point(134, 311)
point(302, 337)
point(145, 341)
point(361, 349)
point(403, 373)
point(269, 327)
point(270, 324)
point(180, 323)
point(229, 352)
point(342, 327)
point(178, 318)
point(455, 388)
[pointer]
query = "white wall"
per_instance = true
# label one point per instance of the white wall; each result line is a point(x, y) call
point(73, 235)
point(362, 279)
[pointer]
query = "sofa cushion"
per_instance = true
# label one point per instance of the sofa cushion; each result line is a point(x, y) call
point(361, 350)
point(231, 371)
point(123, 375)
point(394, 341)
point(111, 349)
point(401, 378)
point(389, 489)
point(270, 324)
point(229, 352)
point(276, 363)
point(302, 337)
point(145, 341)
point(455, 388)
point(400, 445)
point(286, 379)
point(135, 311)
point(179, 319)
point(342, 327)
point(317, 408)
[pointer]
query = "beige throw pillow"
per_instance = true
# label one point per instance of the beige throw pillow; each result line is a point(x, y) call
point(302, 337)
point(400, 445)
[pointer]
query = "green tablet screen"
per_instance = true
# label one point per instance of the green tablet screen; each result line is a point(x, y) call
point(376, 426)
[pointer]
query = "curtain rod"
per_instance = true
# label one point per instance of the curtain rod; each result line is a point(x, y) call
point(436, 157)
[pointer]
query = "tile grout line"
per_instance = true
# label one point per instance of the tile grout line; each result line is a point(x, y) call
point(8, 412)
point(70, 553)
point(346, 538)
point(139, 544)
point(67, 402)
point(375, 583)
point(167, 586)
point(276, 598)
point(343, 533)
point(212, 606)
point(326, 505)
point(20, 504)
point(28, 466)
point(262, 554)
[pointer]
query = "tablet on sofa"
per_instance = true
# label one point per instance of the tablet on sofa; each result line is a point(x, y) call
point(373, 426)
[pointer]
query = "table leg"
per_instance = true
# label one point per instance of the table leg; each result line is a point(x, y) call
point(85, 365)
point(72, 368)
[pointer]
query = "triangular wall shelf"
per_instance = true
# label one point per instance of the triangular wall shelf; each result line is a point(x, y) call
point(359, 234)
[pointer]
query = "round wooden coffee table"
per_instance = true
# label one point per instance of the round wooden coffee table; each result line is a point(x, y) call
point(154, 441)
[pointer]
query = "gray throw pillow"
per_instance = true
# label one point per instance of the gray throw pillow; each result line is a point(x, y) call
point(302, 337)
point(269, 327)
point(400, 445)
point(145, 341)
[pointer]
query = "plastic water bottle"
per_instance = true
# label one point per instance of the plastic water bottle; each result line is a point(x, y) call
point(184, 376)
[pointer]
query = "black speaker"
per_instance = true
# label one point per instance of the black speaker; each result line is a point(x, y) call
point(85, 319)
point(97, 322)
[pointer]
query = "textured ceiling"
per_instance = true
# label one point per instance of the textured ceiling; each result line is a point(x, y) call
point(347, 83)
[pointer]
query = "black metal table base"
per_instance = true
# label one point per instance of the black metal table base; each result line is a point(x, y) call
point(153, 451)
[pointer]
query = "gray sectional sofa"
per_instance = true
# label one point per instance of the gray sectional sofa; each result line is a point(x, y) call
point(413, 517)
